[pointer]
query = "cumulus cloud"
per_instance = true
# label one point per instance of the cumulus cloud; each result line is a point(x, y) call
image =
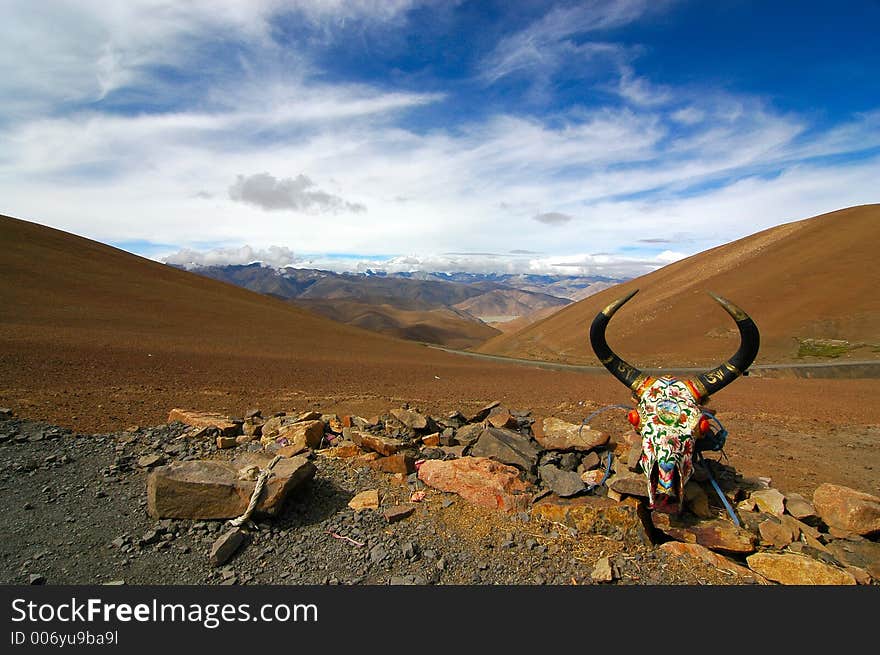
point(295, 193)
point(274, 256)
point(553, 218)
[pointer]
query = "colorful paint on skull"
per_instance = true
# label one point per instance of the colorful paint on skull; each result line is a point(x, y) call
point(669, 415)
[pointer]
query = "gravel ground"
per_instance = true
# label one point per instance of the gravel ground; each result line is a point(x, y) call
point(75, 513)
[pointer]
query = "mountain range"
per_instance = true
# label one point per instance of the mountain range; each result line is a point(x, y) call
point(460, 310)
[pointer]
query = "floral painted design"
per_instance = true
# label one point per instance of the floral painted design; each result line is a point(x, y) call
point(669, 416)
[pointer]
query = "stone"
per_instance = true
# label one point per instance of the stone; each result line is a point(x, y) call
point(792, 569)
point(556, 434)
point(36, 579)
point(482, 414)
point(377, 443)
point(227, 442)
point(149, 461)
point(627, 482)
point(799, 507)
point(253, 413)
point(411, 419)
point(479, 480)
point(633, 458)
point(308, 416)
point(847, 509)
point(625, 520)
point(467, 435)
point(366, 458)
point(590, 461)
point(288, 451)
point(499, 417)
point(343, 450)
point(507, 447)
point(199, 419)
point(226, 546)
point(860, 553)
point(774, 533)
point(284, 431)
point(706, 556)
point(769, 500)
point(562, 483)
point(252, 428)
point(365, 500)
point(715, 534)
point(592, 477)
point(452, 451)
point(400, 463)
point(431, 440)
point(6, 411)
point(211, 489)
point(398, 512)
point(602, 571)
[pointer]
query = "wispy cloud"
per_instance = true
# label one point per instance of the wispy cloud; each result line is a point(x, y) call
point(155, 119)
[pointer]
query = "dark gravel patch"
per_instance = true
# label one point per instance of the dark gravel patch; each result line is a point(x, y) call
point(74, 510)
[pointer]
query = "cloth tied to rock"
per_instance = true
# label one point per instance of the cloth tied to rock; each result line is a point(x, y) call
point(255, 496)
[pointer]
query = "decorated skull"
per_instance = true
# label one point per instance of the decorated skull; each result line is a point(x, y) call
point(669, 415)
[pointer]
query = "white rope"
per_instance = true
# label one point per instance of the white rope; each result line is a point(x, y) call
point(255, 496)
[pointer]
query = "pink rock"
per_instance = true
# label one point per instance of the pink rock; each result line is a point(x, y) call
point(479, 480)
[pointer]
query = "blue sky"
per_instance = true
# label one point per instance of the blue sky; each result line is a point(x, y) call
point(607, 136)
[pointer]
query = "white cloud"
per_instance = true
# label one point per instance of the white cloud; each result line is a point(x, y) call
point(274, 256)
point(696, 161)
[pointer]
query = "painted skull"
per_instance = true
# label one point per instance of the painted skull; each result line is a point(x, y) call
point(669, 418)
point(669, 408)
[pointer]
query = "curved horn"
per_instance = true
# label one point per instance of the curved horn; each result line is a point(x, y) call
point(717, 378)
point(626, 373)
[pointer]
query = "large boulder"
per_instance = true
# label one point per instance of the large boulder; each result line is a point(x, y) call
point(479, 480)
point(791, 569)
point(847, 509)
point(715, 534)
point(507, 447)
point(288, 431)
point(624, 520)
point(376, 443)
point(212, 489)
point(556, 434)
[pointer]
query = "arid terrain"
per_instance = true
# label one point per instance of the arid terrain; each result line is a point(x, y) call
point(810, 286)
point(97, 340)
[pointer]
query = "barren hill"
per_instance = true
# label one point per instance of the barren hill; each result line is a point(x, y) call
point(811, 287)
point(96, 339)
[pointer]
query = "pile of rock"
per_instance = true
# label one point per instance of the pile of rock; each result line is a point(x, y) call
point(507, 460)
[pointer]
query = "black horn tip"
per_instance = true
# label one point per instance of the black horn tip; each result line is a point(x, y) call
point(617, 304)
point(735, 312)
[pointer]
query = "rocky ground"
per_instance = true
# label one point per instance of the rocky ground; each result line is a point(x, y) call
point(75, 510)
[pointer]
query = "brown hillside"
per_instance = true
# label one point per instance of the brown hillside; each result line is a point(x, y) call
point(811, 279)
point(97, 339)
